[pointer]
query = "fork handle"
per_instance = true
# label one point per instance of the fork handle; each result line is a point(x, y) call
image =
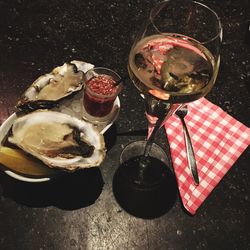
point(190, 153)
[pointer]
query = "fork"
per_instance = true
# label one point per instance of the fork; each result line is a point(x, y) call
point(181, 113)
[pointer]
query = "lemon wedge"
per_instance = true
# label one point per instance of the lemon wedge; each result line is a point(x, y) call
point(19, 162)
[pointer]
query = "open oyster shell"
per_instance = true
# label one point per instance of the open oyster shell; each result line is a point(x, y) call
point(59, 140)
point(49, 89)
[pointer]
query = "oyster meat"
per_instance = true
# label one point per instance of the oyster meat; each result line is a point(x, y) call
point(59, 140)
point(49, 89)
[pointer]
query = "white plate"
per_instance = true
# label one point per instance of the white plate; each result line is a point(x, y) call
point(5, 127)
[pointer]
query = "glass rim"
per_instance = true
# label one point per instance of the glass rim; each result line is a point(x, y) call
point(219, 34)
point(164, 154)
point(118, 87)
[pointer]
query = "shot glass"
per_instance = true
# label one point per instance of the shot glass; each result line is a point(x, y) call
point(100, 92)
point(145, 192)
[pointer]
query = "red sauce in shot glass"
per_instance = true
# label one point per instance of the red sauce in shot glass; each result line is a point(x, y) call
point(99, 95)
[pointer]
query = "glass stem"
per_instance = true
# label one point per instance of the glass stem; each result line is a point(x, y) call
point(160, 122)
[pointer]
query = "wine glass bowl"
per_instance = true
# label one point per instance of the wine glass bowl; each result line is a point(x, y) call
point(175, 56)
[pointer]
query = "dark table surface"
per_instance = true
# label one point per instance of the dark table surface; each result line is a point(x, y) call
point(80, 211)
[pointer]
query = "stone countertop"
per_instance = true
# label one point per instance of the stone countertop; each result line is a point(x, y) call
point(80, 211)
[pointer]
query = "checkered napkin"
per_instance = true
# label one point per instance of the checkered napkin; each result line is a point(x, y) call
point(218, 140)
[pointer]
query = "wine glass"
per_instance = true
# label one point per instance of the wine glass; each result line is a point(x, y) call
point(174, 60)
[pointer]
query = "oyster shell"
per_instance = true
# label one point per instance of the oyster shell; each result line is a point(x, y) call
point(59, 140)
point(49, 89)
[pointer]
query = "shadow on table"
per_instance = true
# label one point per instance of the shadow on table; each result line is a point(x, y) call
point(68, 192)
point(110, 137)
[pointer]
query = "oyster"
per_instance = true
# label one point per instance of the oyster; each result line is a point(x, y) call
point(59, 140)
point(49, 89)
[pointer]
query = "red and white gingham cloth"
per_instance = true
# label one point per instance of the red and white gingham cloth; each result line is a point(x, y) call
point(218, 140)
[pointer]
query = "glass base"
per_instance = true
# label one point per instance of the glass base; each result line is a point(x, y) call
point(96, 119)
point(144, 187)
point(103, 123)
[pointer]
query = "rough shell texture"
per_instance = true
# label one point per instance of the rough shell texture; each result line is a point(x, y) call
point(38, 142)
point(50, 89)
